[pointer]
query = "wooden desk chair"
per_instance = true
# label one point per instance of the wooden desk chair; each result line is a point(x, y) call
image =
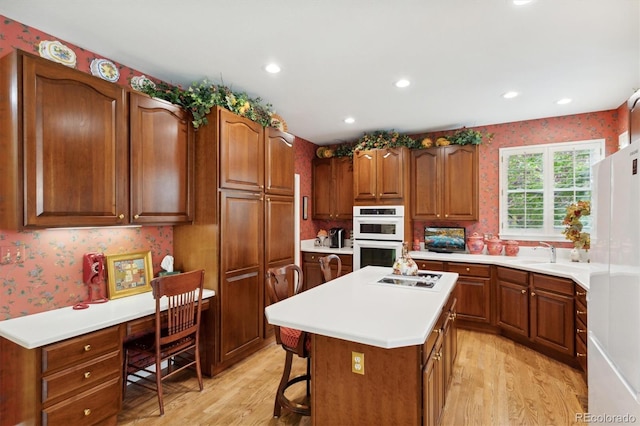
point(292, 341)
point(325, 267)
point(176, 336)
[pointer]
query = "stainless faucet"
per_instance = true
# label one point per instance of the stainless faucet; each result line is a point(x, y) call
point(550, 247)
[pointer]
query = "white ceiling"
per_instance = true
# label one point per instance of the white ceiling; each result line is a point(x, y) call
point(340, 58)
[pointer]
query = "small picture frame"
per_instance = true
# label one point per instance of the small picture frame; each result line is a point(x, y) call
point(129, 274)
point(305, 207)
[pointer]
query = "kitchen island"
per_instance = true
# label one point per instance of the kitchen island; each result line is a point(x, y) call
point(381, 354)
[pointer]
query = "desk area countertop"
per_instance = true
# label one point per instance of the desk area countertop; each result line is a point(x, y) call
point(354, 308)
point(33, 331)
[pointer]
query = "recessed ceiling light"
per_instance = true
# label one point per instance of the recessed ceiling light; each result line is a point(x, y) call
point(521, 2)
point(510, 95)
point(563, 101)
point(349, 120)
point(272, 68)
point(402, 83)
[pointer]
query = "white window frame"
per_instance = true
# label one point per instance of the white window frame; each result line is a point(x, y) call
point(547, 233)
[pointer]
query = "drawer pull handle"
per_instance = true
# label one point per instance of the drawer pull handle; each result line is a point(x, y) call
point(579, 330)
point(580, 354)
point(87, 374)
point(87, 411)
point(581, 312)
point(87, 348)
point(581, 293)
point(523, 291)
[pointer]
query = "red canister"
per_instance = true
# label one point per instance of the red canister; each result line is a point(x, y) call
point(494, 246)
point(475, 243)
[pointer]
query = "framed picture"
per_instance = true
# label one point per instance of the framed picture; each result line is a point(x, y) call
point(129, 274)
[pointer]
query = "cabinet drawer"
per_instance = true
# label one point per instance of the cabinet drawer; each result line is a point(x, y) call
point(80, 377)
point(79, 349)
point(513, 275)
point(557, 285)
point(430, 265)
point(581, 354)
point(469, 269)
point(86, 408)
point(581, 294)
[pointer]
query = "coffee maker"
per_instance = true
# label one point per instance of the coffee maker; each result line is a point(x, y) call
point(336, 237)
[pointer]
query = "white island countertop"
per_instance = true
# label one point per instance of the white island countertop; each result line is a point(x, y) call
point(354, 308)
point(33, 331)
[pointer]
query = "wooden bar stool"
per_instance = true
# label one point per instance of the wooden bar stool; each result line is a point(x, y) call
point(325, 267)
point(294, 342)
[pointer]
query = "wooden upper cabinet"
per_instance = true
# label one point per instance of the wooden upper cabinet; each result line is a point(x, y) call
point(241, 152)
point(279, 162)
point(426, 197)
point(332, 188)
point(73, 146)
point(380, 176)
point(162, 163)
point(444, 183)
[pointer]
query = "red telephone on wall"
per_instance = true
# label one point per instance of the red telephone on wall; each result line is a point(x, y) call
point(93, 275)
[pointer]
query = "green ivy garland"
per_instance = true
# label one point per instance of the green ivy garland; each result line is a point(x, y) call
point(199, 98)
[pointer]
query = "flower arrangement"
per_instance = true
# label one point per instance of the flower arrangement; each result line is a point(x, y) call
point(466, 136)
point(199, 98)
point(573, 230)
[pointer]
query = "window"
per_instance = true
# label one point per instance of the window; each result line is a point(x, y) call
point(537, 183)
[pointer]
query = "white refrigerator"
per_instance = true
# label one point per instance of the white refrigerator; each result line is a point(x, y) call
point(614, 293)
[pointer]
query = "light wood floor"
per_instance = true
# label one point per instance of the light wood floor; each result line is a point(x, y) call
point(495, 382)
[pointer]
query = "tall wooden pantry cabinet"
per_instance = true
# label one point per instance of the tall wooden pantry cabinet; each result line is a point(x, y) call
point(243, 225)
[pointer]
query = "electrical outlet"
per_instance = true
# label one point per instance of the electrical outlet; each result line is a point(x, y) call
point(357, 362)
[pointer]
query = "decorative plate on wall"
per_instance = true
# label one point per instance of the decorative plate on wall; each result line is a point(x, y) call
point(139, 82)
point(105, 69)
point(278, 122)
point(57, 52)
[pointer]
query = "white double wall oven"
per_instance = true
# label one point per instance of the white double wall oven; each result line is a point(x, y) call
point(378, 232)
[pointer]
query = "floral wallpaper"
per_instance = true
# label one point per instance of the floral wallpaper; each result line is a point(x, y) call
point(48, 274)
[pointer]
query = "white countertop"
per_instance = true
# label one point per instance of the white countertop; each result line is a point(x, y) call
point(308, 245)
point(33, 331)
point(528, 259)
point(354, 308)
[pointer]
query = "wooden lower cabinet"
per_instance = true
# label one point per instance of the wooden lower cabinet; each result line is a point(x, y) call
point(76, 381)
point(311, 267)
point(538, 309)
point(581, 326)
point(512, 294)
point(473, 291)
point(403, 386)
point(552, 313)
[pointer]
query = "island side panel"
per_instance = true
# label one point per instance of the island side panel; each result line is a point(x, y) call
point(389, 392)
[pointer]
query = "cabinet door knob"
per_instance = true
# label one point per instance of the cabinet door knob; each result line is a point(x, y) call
point(87, 374)
point(523, 291)
point(581, 293)
point(468, 269)
point(533, 293)
point(438, 215)
point(87, 348)
point(446, 215)
point(87, 411)
point(136, 216)
point(580, 312)
point(580, 354)
point(121, 216)
point(579, 330)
